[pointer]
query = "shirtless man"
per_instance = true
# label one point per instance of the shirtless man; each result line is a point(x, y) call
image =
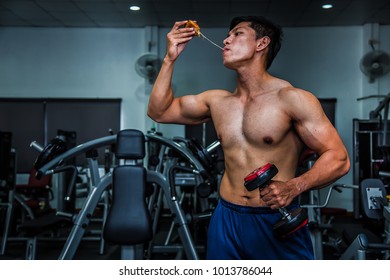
point(264, 120)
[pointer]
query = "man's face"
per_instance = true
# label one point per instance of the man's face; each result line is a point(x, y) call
point(239, 46)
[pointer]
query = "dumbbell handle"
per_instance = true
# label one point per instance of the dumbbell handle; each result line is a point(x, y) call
point(284, 213)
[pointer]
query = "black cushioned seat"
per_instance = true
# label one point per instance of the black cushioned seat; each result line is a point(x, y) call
point(129, 221)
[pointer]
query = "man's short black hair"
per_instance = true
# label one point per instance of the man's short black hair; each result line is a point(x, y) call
point(263, 27)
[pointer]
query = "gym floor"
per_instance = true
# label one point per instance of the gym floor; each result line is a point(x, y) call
point(51, 250)
point(89, 249)
point(344, 229)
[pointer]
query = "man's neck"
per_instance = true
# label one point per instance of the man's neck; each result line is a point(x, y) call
point(253, 81)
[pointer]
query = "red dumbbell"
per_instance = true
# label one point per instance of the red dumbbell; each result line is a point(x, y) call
point(290, 221)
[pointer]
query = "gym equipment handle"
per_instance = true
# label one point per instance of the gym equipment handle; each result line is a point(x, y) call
point(36, 146)
point(213, 146)
point(108, 140)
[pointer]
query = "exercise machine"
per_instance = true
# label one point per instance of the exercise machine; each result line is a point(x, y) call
point(129, 222)
point(317, 224)
point(8, 157)
point(100, 184)
point(376, 206)
point(175, 157)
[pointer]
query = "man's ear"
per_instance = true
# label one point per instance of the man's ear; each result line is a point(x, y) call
point(263, 42)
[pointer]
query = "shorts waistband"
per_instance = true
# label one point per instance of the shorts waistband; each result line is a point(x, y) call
point(253, 210)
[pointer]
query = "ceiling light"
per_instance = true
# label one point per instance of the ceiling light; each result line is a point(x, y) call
point(327, 6)
point(135, 8)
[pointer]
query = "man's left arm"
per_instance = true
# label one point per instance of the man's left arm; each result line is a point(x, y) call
point(319, 135)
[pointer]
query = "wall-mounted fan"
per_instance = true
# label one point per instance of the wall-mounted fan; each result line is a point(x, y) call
point(375, 64)
point(148, 66)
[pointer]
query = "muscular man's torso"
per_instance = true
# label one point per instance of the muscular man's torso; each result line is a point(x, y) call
point(254, 131)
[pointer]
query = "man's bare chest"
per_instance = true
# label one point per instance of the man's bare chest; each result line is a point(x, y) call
point(254, 123)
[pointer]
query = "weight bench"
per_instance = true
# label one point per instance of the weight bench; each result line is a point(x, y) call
point(129, 222)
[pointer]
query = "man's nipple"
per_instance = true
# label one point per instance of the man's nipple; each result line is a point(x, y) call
point(268, 140)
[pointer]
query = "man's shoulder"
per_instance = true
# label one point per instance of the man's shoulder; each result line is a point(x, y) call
point(297, 98)
point(217, 93)
point(283, 87)
point(290, 91)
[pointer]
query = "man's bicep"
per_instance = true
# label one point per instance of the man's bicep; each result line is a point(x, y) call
point(315, 129)
point(194, 108)
point(189, 109)
point(319, 137)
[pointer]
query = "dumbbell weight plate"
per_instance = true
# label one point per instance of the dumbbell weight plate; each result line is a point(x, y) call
point(203, 190)
point(203, 156)
point(285, 226)
point(53, 149)
point(258, 177)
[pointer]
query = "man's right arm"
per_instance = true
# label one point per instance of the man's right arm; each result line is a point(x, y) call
point(161, 98)
point(163, 106)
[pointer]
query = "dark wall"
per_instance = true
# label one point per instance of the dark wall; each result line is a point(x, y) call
point(41, 119)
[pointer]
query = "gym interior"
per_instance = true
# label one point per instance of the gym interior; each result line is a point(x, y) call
point(75, 79)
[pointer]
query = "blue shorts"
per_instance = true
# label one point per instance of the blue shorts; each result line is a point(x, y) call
point(245, 233)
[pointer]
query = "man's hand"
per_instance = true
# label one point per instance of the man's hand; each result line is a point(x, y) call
point(278, 194)
point(177, 39)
